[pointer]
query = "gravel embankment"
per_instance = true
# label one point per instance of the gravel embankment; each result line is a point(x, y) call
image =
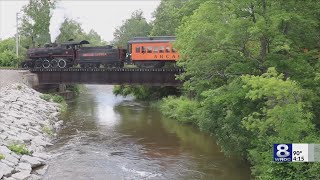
point(26, 119)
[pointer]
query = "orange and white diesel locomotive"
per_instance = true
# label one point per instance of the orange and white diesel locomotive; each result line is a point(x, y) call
point(145, 52)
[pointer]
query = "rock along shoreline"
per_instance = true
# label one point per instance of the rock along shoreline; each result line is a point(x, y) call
point(26, 122)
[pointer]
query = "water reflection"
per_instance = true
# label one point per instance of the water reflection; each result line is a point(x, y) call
point(108, 137)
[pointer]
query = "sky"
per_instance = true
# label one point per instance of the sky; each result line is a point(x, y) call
point(103, 16)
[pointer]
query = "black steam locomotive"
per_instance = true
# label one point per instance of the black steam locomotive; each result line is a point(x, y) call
point(71, 54)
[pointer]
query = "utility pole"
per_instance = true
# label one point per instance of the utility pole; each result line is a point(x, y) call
point(17, 35)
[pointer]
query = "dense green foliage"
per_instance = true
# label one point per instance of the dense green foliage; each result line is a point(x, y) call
point(136, 26)
point(181, 109)
point(170, 14)
point(8, 57)
point(71, 29)
point(36, 21)
point(252, 76)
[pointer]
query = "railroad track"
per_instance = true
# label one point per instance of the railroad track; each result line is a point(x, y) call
point(98, 69)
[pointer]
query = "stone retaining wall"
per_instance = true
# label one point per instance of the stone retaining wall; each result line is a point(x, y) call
point(26, 119)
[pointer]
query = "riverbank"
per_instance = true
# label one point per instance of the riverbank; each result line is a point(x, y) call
point(26, 124)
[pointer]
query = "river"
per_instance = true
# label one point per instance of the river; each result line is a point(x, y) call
point(109, 137)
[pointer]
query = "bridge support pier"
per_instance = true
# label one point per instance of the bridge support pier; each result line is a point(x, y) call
point(30, 79)
point(62, 88)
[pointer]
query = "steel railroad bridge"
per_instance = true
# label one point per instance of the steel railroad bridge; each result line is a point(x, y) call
point(119, 76)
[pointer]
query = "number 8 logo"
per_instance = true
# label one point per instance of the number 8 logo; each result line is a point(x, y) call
point(283, 150)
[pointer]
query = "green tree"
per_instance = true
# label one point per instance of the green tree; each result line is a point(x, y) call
point(169, 15)
point(225, 38)
point(132, 27)
point(231, 52)
point(71, 29)
point(8, 55)
point(254, 112)
point(94, 38)
point(36, 21)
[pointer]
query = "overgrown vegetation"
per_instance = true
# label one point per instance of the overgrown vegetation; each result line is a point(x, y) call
point(57, 99)
point(77, 89)
point(19, 149)
point(251, 76)
point(52, 97)
point(181, 109)
point(145, 92)
point(8, 57)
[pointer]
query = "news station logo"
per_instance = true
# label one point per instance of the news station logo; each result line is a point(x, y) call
point(282, 152)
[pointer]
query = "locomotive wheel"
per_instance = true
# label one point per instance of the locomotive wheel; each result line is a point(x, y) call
point(118, 64)
point(107, 65)
point(25, 65)
point(46, 64)
point(54, 63)
point(38, 63)
point(62, 63)
point(121, 64)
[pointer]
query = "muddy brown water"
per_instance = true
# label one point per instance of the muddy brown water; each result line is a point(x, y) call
point(109, 137)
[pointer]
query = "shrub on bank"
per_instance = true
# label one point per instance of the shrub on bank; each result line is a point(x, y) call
point(46, 97)
point(77, 89)
point(181, 109)
point(57, 99)
point(19, 149)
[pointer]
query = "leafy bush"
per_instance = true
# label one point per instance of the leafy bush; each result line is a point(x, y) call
point(46, 97)
point(19, 149)
point(76, 89)
point(8, 59)
point(181, 109)
point(54, 98)
point(57, 99)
